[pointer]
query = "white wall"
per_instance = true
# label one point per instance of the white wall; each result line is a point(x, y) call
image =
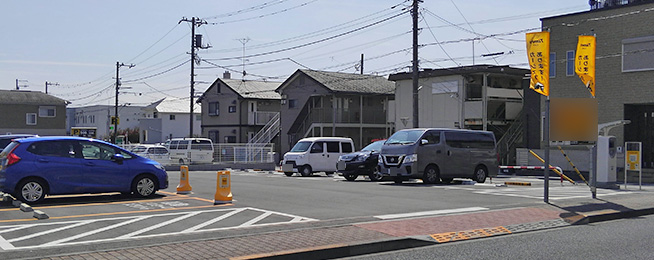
point(178, 127)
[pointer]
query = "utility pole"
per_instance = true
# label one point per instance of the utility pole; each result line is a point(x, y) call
point(49, 84)
point(196, 42)
point(115, 120)
point(414, 13)
point(361, 63)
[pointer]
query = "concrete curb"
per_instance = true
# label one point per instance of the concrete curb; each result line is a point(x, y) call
point(582, 219)
point(339, 250)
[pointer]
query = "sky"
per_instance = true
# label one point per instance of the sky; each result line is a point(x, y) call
point(75, 44)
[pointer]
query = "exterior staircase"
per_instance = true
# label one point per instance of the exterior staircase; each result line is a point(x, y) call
point(263, 137)
point(513, 137)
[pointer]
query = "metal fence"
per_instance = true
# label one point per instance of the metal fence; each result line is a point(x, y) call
point(243, 153)
point(234, 153)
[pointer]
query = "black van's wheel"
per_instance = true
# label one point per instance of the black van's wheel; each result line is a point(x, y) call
point(398, 180)
point(480, 174)
point(31, 191)
point(350, 176)
point(431, 175)
point(289, 174)
point(306, 171)
point(375, 175)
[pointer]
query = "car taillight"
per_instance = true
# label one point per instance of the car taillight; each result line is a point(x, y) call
point(12, 158)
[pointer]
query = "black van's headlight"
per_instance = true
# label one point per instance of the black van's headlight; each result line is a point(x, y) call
point(411, 158)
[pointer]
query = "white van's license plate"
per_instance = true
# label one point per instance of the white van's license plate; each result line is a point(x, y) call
point(287, 167)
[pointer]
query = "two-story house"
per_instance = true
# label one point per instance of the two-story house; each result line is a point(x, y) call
point(322, 103)
point(240, 111)
point(168, 118)
point(32, 112)
point(480, 97)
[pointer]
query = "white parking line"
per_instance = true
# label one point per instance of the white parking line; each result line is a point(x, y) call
point(428, 213)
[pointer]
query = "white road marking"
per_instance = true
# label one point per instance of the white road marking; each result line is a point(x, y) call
point(255, 220)
point(126, 220)
point(153, 227)
point(56, 242)
point(428, 213)
point(5, 245)
point(206, 223)
point(49, 231)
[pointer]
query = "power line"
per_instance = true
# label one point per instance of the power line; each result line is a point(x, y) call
point(246, 10)
point(317, 41)
point(265, 15)
point(315, 33)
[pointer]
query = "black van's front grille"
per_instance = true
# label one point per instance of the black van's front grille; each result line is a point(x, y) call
point(393, 160)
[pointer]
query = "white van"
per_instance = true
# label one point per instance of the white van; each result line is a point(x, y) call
point(316, 154)
point(158, 153)
point(190, 150)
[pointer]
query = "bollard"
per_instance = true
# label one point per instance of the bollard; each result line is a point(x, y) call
point(223, 188)
point(184, 186)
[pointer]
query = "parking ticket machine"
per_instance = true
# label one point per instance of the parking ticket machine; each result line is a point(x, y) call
point(606, 162)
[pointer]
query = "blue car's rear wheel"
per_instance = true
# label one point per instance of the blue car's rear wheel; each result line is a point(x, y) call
point(31, 191)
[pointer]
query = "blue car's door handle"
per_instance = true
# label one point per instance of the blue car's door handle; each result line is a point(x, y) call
point(89, 164)
point(43, 160)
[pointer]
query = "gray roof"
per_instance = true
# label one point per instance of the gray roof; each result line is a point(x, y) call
point(173, 105)
point(462, 70)
point(29, 97)
point(351, 82)
point(254, 89)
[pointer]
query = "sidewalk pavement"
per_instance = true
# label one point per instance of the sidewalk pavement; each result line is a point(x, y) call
point(316, 241)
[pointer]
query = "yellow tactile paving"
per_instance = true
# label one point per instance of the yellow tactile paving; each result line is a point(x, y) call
point(469, 234)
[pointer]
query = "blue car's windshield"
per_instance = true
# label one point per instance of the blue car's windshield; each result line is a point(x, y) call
point(375, 146)
point(405, 137)
point(301, 147)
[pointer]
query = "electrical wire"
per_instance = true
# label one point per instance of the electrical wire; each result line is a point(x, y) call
point(265, 15)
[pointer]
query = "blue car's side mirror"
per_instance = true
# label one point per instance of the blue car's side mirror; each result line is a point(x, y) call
point(118, 158)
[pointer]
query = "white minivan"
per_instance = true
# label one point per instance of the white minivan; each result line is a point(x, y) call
point(316, 154)
point(190, 150)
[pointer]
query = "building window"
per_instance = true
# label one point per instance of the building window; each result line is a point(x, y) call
point(552, 64)
point(218, 88)
point(47, 111)
point(292, 103)
point(30, 118)
point(214, 135)
point(230, 139)
point(232, 109)
point(214, 108)
point(637, 54)
point(570, 63)
point(172, 117)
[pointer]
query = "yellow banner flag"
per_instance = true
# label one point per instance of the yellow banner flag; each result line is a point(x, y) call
point(585, 62)
point(538, 53)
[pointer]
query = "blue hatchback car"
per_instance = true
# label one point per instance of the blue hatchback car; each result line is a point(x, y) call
point(31, 168)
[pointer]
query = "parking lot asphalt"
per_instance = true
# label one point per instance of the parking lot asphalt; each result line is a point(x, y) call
point(313, 239)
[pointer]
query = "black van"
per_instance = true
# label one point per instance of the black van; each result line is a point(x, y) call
point(439, 154)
